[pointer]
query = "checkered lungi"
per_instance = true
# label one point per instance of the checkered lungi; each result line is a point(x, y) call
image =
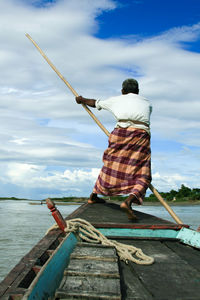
point(127, 164)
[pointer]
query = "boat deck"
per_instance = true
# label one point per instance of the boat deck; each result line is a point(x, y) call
point(175, 275)
point(111, 213)
point(95, 272)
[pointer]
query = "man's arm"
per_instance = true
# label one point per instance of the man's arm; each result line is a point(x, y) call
point(89, 102)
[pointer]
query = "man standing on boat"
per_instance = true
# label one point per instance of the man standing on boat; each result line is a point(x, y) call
point(127, 160)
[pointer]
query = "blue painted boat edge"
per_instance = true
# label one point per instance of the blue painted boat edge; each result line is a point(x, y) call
point(189, 237)
point(136, 232)
point(52, 271)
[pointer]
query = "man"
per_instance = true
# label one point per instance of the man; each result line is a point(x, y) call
point(127, 160)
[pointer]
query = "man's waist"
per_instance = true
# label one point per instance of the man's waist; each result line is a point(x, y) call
point(134, 122)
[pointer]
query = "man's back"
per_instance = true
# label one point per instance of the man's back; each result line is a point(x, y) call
point(128, 107)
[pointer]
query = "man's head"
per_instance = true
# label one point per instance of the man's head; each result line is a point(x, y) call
point(130, 85)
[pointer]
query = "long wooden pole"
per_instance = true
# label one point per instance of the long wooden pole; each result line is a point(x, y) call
point(67, 83)
point(159, 197)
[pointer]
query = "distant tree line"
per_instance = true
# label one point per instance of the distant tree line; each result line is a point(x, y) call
point(11, 198)
point(183, 194)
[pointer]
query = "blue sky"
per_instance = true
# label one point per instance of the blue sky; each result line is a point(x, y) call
point(49, 145)
point(147, 18)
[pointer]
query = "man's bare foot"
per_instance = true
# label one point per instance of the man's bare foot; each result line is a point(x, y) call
point(128, 210)
point(95, 199)
point(126, 206)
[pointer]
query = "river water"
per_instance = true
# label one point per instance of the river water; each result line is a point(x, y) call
point(22, 225)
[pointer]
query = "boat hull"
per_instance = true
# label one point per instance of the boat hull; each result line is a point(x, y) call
point(39, 274)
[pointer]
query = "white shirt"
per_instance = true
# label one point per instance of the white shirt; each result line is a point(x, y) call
point(130, 107)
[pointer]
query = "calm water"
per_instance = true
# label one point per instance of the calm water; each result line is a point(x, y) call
point(23, 225)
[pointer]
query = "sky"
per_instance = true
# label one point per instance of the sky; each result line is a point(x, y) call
point(50, 146)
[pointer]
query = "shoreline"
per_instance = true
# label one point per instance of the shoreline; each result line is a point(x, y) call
point(80, 202)
point(181, 203)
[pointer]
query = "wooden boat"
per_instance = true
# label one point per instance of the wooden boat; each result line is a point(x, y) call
point(60, 267)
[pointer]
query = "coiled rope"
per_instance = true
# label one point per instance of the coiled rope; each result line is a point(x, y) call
point(88, 233)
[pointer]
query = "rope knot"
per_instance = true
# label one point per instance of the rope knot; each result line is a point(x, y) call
point(72, 227)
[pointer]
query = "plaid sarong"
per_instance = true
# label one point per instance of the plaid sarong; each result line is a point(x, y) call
point(127, 164)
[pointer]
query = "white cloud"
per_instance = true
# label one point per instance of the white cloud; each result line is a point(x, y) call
point(41, 125)
point(34, 177)
point(167, 182)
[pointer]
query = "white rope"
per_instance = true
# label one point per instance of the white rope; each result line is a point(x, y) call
point(88, 233)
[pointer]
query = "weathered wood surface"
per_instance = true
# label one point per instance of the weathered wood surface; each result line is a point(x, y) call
point(90, 267)
point(138, 226)
point(111, 213)
point(93, 273)
point(21, 276)
point(187, 253)
point(175, 275)
point(95, 252)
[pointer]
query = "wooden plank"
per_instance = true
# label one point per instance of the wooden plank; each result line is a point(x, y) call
point(89, 267)
point(170, 277)
point(187, 253)
point(158, 250)
point(89, 274)
point(77, 212)
point(189, 237)
point(141, 238)
point(38, 254)
point(93, 245)
point(104, 213)
point(96, 252)
point(139, 226)
point(131, 286)
point(150, 233)
point(15, 296)
point(170, 281)
point(50, 276)
point(89, 287)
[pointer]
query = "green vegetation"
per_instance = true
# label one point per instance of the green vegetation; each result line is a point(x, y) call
point(184, 194)
point(85, 199)
point(11, 198)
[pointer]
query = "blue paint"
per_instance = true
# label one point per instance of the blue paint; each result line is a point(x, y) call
point(50, 276)
point(158, 233)
point(189, 237)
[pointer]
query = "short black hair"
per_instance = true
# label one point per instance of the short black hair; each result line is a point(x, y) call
point(130, 85)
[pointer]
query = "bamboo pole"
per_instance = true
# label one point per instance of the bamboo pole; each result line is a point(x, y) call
point(168, 208)
point(158, 196)
point(67, 83)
